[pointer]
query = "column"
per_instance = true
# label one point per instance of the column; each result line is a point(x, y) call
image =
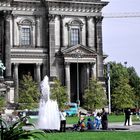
point(88, 73)
point(7, 45)
point(98, 22)
point(45, 67)
point(38, 30)
point(52, 46)
point(87, 29)
point(61, 31)
point(69, 39)
point(67, 71)
point(38, 74)
point(16, 81)
point(90, 35)
point(93, 70)
point(57, 31)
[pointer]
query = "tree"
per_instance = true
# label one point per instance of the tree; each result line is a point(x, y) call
point(94, 96)
point(117, 72)
point(134, 81)
point(59, 93)
point(122, 94)
point(28, 93)
point(2, 101)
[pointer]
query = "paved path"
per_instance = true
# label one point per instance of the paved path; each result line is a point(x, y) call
point(134, 127)
point(119, 126)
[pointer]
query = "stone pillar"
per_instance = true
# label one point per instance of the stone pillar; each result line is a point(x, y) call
point(52, 50)
point(67, 72)
point(57, 31)
point(81, 34)
point(98, 22)
point(45, 68)
point(61, 31)
point(87, 31)
point(69, 40)
point(1, 36)
point(16, 81)
point(38, 33)
point(93, 70)
point(38, 74)
point(7, 45)
point(88, 73)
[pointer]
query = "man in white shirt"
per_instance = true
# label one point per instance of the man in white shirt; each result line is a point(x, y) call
point(63, 121)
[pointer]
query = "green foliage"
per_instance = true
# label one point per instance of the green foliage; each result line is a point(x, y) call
point(134, 81)
point(2, 102)
point(28, 93)
point(94, 97)
point(122, 93)
point(117, 72)
point(59, 93)
point(16, 131)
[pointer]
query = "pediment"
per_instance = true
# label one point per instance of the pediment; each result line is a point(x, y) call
point(79, 50)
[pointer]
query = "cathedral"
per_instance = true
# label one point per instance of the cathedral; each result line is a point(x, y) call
point(58, 38)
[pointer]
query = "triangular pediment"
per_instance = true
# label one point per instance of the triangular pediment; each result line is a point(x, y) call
point(79, 49)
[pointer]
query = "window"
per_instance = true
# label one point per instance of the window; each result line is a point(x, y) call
point(74, 32)
point(26, 33)
point(74, 36)
point(25, 36)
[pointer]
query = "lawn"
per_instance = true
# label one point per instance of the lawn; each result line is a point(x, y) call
point(108, 135)
point(94, 136)
point(111, 118)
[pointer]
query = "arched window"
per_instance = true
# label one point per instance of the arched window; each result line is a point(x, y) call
point(74, 36)
point(26, 32)
point(74, 30)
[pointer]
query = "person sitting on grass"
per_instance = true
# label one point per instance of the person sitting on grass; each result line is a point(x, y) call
point(90, 124)
point(80, 126)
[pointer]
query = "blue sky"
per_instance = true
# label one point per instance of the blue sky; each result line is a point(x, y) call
point(121, 36)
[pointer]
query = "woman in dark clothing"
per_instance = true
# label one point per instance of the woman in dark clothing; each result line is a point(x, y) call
point(127, 116)
point(104, 119)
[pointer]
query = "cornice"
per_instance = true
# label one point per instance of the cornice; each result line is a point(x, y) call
point(28, 55)
point(19, 6)
point(75, 7)
point(55, 6)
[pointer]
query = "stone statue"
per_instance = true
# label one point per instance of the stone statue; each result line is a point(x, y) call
point(2, 68)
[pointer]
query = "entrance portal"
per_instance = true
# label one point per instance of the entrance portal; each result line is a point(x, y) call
point(82, 71)
point(25, 69)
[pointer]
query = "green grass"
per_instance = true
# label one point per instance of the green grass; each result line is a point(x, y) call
point(111, 118)
point(116, 118)
point(94, 136)
point(109, 135)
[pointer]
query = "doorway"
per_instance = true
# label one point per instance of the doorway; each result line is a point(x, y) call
point(25, 69)
point(82, 71)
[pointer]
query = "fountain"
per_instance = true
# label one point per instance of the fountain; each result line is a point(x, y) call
point(49, 118)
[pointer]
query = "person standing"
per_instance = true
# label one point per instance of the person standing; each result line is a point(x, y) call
point(2, 68)
point(98, 120)
point(104, 119)
point(63, 121)
point(127, 116)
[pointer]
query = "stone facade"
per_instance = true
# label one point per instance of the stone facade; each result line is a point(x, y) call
point(58, 38)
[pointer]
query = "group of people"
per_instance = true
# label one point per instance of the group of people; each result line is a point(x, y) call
point(95, 123)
